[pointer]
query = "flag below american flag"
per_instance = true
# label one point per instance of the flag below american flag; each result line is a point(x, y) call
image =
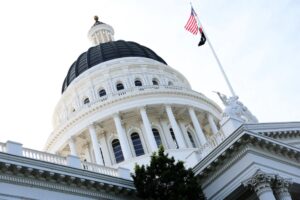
point(192, 26)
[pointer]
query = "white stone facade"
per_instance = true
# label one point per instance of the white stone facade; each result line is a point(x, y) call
point(170, 103)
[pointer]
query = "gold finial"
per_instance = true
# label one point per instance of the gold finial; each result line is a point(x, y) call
point(96, 18)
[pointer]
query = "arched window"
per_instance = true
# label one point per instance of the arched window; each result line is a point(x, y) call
point(154, 81)
point(137, 82)
point(86, 101)
point(156, 137)
point(173, 137)
point(170, 83)
point(191, 139)
point(117, 150)
point(120, 86)
point(102, 93)
point(137, 144)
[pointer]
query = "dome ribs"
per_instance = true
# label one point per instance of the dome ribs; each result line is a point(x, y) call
point(105, 52)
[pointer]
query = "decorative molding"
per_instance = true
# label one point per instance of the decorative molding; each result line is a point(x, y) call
point(261, 182)
point(96, 106)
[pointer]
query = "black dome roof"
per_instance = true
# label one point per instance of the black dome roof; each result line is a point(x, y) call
point(105, 52)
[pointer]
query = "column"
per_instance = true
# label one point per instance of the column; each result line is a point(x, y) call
point(197, 126)
point(95, 144)
point(212, 124)
point(104, 149)
point(175, 127)
point(261, 183)
point(122, 137)
point(72, 146)
point(281, 188)
point(148, 129)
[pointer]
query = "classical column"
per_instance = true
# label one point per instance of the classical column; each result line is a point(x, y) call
point(104, 149)
point(122, 137)
point(197, 126)
point(261, 183)
point(281, 188)
point(72, 146)
point(175, 127)
point(95, 144)
point(212, 124)
point(148, 129)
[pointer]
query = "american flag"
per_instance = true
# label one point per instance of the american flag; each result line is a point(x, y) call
point(192, 25)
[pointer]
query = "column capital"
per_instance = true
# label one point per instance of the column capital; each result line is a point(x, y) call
point(116, 114)
point(281, 187)
point(167, 105)
point(261, 182)
point(144, 107)
point(192, 108)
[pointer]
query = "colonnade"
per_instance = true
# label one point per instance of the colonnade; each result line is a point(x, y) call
point(149, 136)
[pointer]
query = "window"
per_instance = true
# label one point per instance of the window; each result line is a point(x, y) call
point(86, 101)
point(138, 83)
point(137, 144)
point(156, 137)
point(191, 139)
point(173, 137)
point(102, 93)
point(170, 83)
point(154, 81)
point(117, 150)
point(120, 86)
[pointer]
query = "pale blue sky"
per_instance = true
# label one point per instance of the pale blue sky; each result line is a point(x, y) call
point(257, 41)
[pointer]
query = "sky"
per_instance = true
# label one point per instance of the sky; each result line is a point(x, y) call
point(257, 42)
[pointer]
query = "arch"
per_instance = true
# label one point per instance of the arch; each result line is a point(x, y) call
point(116, 146)
point(138, 82)
point(119, 86)
point(173, 137)
point(137, 144)
point(102, 92)
point(157, 137)
point(86, 100)
point(155, 81)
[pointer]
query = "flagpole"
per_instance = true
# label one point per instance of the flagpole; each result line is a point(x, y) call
point(216, 57)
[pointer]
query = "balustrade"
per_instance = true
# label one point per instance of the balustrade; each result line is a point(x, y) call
point(43, 156)
point(99, 169)
point(2, 147)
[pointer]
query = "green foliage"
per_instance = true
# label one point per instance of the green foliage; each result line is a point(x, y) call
point(165, 179)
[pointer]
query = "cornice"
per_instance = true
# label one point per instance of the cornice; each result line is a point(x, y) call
point(236, 145)
point(37, 173)
point(277, 130)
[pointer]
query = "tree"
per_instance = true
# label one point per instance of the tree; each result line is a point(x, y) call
point(165, 179)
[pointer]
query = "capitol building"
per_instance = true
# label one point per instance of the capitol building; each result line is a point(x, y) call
point(119, 102)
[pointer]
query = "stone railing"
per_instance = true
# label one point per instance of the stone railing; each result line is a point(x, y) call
point(70, 161)
point(43, 156)
point(212, 143)
point(99, 169)
point(2, 147)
